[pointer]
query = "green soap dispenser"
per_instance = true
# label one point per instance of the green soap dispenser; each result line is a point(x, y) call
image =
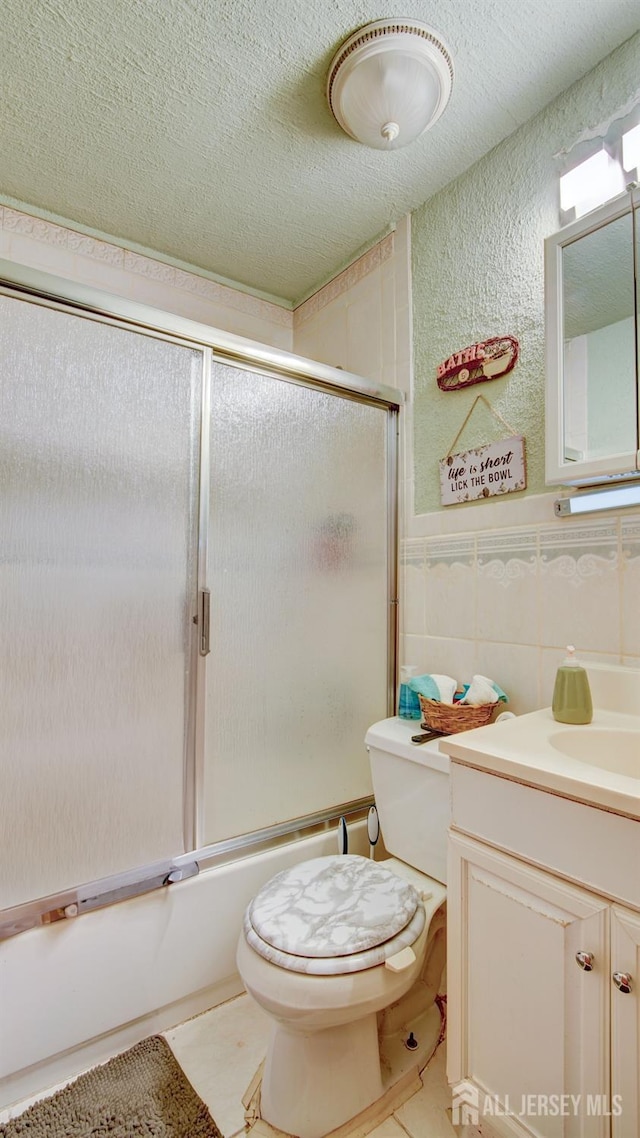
point(571, 694)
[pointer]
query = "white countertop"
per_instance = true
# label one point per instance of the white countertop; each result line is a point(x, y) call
point(520, 748)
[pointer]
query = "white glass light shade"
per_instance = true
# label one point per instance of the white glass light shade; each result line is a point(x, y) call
point(389, 82)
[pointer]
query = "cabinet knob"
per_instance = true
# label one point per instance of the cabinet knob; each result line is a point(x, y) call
point(622, 981)
point(585, 960)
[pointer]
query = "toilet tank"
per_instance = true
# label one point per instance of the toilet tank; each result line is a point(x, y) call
point(411, 788)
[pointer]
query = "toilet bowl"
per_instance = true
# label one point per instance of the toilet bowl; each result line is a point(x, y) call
point(345, 954)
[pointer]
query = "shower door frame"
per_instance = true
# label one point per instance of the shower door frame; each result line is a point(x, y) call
point(21, 282)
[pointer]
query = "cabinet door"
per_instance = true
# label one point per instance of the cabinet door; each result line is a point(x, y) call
point(528, 1025)
point(625, 1022)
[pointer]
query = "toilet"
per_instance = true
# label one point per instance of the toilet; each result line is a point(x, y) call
point(346, 954)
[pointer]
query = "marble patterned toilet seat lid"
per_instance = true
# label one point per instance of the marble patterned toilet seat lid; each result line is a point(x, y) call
point(332, 907)
point(337, 965)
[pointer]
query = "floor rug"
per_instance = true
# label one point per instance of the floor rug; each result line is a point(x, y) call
point(142, 1093)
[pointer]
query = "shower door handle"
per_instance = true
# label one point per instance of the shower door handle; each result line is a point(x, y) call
point(203, 622)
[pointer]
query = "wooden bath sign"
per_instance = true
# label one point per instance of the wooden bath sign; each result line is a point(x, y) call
point(497, 468)
point(488, 359)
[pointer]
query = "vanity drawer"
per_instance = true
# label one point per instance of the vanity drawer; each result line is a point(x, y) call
point(583, 843)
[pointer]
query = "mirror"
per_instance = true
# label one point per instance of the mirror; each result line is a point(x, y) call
point(592, 370)
point(599, 365)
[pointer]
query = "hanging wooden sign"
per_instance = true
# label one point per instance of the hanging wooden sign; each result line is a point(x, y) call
point(488, 359)
point(497, 468)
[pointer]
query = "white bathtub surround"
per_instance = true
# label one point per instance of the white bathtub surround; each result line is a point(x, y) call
point(79, 991)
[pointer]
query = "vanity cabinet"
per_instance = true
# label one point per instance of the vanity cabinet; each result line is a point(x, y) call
point(547, 1037)
point(591, 324)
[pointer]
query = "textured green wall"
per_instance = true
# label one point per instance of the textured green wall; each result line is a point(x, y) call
point(478, 271)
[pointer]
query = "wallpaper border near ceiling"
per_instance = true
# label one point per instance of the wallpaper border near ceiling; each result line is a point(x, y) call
point(58, 230)
point(109, 253)
point(343, 281)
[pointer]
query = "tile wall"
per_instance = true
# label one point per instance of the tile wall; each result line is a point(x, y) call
point(361, 320)
point(505, 601)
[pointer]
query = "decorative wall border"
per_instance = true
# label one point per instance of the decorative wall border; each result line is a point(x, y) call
point(450, 551)
point(13, 221)
point(495, 546)
point(630, 538)
point(412, 552)
point(610, 541)
point(367, 263)
point(596, 539)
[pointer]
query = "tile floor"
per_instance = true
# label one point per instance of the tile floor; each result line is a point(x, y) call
point(220, 1050)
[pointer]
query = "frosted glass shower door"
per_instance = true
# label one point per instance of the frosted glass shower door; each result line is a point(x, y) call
point(99, 434)
point(298, 570)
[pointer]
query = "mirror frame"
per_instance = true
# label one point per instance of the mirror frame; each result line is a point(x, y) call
point(557, 470)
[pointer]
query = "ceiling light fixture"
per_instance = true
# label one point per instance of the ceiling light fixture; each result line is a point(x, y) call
point(389, 82)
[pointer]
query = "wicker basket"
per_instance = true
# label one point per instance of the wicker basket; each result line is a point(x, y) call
point(449, 718)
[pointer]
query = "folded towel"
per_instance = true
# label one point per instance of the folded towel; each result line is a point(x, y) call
point(440, 688)
point(483, 690)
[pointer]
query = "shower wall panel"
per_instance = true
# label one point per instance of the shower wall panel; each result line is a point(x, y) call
point(298, 570)
point(138, 472)
point(99, 435)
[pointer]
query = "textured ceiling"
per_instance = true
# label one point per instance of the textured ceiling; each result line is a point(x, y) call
point(199, 128)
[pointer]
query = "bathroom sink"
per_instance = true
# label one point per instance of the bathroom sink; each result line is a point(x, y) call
point(609, 749)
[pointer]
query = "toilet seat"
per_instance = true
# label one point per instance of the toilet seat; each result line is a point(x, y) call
point(333, 915)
